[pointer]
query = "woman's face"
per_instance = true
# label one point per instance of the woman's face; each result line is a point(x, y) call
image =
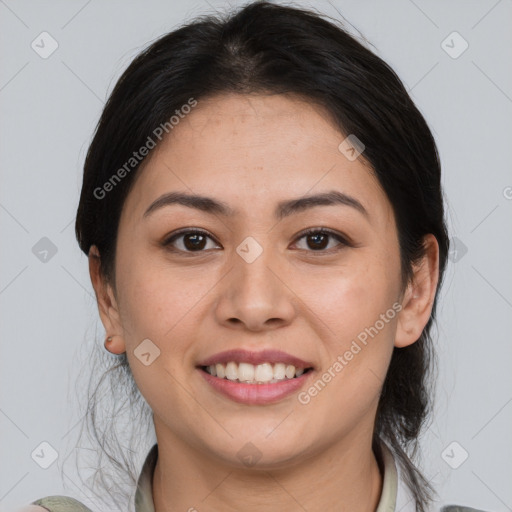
point(254, 282)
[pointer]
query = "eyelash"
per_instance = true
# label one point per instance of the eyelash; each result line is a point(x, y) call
point(343, 242)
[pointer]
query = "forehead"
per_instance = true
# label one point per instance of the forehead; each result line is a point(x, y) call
point(253, 150)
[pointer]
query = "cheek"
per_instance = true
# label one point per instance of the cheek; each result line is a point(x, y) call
point(349, 298)
point(353, 310)
point(159, 305)
point(156, 294)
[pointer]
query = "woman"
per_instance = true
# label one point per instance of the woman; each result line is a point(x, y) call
point(263, 216)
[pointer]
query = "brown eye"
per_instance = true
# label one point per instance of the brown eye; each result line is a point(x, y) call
point(320, 239)
point(194, 242)
point(189, 241)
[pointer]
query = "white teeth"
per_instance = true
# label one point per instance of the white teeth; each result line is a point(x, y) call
point(264, 373)
point(231, 371)
point(221, 371)
point(290, 371)
point(279, 371)
point(245, 372)
point(254, 374)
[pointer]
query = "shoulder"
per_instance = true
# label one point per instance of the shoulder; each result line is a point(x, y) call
point(61, 504)
point(459, 508)
point(404, 500)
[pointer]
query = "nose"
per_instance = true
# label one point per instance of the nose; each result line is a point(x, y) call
point(255, 296)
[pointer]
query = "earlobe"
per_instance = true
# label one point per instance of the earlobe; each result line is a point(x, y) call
point(419, 296)
point(112, 347)
point(107, 305)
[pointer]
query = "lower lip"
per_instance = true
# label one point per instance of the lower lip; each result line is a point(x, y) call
point(256, 394)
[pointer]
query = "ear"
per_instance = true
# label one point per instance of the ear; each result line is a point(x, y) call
point(419, 296)
point(107, 304)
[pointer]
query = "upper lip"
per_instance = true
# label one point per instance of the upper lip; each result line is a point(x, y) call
point(255, 358)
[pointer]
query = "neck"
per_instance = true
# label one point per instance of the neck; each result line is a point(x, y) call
point(345, 476)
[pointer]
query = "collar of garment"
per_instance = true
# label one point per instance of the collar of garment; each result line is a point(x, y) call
point(395, 495)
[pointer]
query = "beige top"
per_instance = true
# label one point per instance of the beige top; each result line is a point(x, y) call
point(395, 494)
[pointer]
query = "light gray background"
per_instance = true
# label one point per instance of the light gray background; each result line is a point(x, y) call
point(49, 108)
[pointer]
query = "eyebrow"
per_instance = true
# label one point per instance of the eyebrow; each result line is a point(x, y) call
point(283, 209)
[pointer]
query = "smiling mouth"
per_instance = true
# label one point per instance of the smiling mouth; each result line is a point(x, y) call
point(246, 373)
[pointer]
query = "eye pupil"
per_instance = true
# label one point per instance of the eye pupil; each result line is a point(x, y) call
point(316, 237)
point(194, 241)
